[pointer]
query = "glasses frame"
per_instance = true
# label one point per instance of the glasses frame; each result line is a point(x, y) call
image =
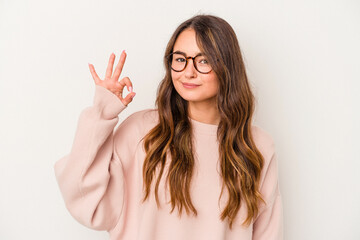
point(169, 57)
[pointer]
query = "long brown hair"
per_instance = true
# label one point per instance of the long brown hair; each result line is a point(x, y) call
point(240, 161)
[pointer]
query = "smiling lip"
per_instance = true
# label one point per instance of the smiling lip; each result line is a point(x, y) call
point(190, 85)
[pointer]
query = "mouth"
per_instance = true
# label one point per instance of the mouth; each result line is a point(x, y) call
point(190, 85)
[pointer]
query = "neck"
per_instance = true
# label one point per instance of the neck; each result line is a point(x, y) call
point(204, 112)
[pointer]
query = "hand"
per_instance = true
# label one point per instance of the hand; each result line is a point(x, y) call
point(111, 80)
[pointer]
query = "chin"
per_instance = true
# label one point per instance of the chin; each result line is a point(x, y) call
point(188, 96)
point(193, 98)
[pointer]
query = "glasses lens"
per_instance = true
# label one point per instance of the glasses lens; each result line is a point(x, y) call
point(202, 64)
point(178, 62)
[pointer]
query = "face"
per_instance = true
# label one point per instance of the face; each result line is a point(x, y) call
point(193, 86)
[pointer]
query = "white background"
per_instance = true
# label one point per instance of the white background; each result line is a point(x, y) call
point(302, 59)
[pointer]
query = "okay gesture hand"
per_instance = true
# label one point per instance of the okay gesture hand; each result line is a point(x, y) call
point(111, 82)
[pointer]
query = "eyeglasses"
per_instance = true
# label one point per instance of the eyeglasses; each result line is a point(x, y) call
point(178, 62)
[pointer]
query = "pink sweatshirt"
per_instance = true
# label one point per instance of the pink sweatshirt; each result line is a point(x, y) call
point(101, 181)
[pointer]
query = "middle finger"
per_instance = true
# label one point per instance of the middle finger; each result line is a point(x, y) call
point(119, 66)
point(110, 66)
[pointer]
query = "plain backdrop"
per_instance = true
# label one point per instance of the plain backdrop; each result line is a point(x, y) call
point(302, 59)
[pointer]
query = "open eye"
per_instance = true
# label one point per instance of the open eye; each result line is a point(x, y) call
point(202, 60)
point(180, 59)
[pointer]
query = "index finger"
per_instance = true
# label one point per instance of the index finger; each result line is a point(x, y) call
point(119, 66)
point(93, 74)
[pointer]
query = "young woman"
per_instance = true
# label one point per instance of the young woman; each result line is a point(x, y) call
point(193, 168)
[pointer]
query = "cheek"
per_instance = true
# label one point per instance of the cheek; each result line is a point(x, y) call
point(175, 76)
point(213, 83)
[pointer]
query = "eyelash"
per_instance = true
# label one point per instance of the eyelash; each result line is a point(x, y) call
point(203, 61)
point(182, 59)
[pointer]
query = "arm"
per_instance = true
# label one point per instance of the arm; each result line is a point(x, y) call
point(269, 223)
point(90, 177)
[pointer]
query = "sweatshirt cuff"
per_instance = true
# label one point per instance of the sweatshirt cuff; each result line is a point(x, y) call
point(108, 102)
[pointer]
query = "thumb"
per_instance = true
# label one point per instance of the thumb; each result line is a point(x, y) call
point(128, 99)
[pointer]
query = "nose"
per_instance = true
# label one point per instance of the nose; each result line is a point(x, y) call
point(190, 71)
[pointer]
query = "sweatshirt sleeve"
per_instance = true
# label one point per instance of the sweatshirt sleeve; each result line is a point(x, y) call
point(90, 177)
point(269, 223)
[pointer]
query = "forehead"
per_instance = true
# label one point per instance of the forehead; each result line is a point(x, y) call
point(186, 42)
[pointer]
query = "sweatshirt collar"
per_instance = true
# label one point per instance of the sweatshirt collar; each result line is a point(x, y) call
point(203, 128)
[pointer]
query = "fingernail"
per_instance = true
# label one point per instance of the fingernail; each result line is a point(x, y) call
point(131, 89)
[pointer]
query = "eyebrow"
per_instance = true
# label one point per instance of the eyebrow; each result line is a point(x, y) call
point(180, 52)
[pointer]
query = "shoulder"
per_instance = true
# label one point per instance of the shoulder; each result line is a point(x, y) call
point(138, 123)
point(143, 116)
point(131, 132)
point(269, 174)
point(142, 119)
point(264, 143)
point(263, 140)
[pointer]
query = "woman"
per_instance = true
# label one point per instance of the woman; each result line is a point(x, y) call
point(194, 168)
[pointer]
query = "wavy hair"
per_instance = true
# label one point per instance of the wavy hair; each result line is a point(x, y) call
point(240, 160)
